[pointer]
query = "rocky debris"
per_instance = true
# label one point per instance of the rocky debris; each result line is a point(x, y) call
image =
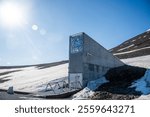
point(103, 95)
point(120, 79)
point(124, 74)
point(10, 90)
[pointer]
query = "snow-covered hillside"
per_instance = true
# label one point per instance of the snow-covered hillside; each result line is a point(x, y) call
point(142, 61)
point(34, 79)
point(31, 79)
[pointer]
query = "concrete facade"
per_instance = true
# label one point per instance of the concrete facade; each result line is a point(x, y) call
point(88, 60)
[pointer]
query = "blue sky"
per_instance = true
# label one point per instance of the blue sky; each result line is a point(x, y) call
point(44, 35)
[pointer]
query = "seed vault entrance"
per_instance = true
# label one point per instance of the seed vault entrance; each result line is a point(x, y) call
point(88, 60)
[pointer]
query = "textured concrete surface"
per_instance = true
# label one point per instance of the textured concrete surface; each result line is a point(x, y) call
point(93, 61)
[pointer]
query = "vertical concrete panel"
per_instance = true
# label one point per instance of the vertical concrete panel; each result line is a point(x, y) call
point(76, 80)
point(93, 62)
point(75, 59)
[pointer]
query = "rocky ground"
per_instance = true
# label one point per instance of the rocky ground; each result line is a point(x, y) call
point(104, 95)
point(118, 88)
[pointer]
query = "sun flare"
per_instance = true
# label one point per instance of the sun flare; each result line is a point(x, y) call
point(12, 14)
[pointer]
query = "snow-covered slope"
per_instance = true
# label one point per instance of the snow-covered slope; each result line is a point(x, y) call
point(33, 78)
point(135, 51)
point(141, 61)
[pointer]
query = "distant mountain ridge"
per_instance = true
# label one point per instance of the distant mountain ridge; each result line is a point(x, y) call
point(134, 47)
point(40, 66)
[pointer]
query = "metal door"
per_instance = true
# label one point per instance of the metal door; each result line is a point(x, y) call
point(75, 80)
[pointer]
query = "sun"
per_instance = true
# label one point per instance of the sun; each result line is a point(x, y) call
point(12, 14)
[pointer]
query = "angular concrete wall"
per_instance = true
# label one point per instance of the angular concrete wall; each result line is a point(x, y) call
point(92, 61)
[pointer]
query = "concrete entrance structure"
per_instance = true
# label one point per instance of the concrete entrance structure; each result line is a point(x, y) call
point(88, 60)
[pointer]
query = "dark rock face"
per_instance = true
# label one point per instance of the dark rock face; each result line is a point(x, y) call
point(120, 80)
point(39, 66)
point(134, 47)
point(124, 74)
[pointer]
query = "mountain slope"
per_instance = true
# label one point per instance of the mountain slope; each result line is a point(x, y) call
point(134, 47)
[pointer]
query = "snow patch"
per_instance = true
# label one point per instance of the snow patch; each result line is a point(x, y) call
point(126, 47)
point(133, 40)
point(126, 42)
point(83, 94)
point(143, 84)
point(142, 61)
point(143, 97)
point(87, 92)
point(119, 53)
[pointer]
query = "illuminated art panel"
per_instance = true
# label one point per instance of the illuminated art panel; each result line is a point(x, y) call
point(76, 44)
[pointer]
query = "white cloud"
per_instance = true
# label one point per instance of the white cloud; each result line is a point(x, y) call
point(148, 30)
